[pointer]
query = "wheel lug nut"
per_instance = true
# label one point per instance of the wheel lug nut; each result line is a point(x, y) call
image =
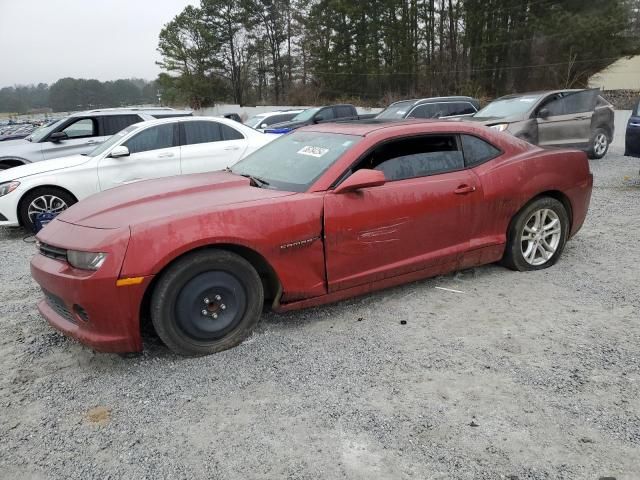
point(223, 306)
point(218, 297)
point(215, 315)
point(206, 300)
point(204, 312)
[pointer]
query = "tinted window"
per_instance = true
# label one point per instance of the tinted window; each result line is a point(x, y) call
point(201, 132)
point(326, 114)
point(343, 112)
point(429, 110)
point(461, 108)
point(171, 115)
point(397, 110)
point(153, 138)
point(555, 105)
point(638, 110)
point(477, 151)
point(114, 123)
point(85, 127)
point(229, 133)
point(415, 157)
point(285, 117)
point(581, 102)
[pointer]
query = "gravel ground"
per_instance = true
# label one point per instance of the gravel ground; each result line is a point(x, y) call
point(522, 376)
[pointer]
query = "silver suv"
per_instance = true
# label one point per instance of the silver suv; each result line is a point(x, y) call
point(77, 133)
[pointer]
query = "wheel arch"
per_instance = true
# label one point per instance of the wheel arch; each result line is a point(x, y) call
point(10, 162)
point(39, 187)
point(556, 194)
point(270, 280)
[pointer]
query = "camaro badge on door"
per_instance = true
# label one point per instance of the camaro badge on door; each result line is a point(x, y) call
point(301, 243)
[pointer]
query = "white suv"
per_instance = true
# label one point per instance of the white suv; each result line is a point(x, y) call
point(77, 133)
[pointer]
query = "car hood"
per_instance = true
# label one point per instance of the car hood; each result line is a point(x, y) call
point(16, 173)
point(165, 199)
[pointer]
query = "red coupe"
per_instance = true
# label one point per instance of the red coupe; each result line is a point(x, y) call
point(325, 213)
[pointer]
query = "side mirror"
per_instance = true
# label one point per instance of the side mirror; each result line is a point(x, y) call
point(361, 179)
point(119, 151)
point(58, 137)
point(264, 125)
point(544, 113)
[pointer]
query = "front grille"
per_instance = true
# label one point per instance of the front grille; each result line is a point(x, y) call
point(53, 252)
point(59, 307)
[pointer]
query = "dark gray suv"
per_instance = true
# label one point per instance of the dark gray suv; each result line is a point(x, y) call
point(579, 119)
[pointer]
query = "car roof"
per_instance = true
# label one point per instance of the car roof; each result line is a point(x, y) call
point(454, 98)
point(540, 93)
point(129, 110)
point(162, 121)
point(366, 127)
point(278, 112)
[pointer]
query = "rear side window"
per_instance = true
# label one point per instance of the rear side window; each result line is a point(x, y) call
point(461, 108)
point(477, 151)
point(416, 157)
point(580, 102)
point(343, 112)
point(112, 124)
point(229, 133)
point(201, 132)
point(153, 138)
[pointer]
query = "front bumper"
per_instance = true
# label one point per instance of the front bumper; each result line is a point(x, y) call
point(9, 209)
point(87, 305)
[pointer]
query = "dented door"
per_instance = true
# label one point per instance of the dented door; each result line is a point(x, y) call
point(402, 226)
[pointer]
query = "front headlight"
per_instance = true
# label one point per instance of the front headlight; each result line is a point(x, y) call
point(8, 187)
point(501, 127)
point(86, 260)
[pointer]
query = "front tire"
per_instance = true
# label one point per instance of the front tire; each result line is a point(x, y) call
point(207, 302)
point(43, 200)
point(537, 235)
point(599, 144)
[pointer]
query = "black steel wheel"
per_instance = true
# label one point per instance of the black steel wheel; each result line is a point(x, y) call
point(206, 302)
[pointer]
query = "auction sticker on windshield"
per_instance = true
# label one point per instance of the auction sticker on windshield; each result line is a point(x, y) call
point(313, 151)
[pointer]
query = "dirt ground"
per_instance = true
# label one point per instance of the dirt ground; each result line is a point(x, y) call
point(521, 376)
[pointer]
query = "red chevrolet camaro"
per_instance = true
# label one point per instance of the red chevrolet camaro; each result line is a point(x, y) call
point(321, 214)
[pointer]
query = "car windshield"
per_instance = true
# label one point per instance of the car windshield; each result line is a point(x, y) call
point(397, 110)
point(306, 115)
point(294, 161)
point(505, 107)
point(113, 140)
point(253, 122)
point(42, 132)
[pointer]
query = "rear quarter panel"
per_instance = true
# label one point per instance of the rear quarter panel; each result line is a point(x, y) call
point(510, 183)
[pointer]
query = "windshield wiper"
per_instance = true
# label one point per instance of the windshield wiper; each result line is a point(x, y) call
point(257, 181)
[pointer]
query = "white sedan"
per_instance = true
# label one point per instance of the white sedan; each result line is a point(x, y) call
point(152, 149)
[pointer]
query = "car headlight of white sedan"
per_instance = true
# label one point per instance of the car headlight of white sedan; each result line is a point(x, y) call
point(8, 187)
point(501, 127)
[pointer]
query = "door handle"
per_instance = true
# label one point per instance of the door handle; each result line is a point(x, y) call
point(165, 155)
point(464, 189)
point(92, 142)
point(232, 148)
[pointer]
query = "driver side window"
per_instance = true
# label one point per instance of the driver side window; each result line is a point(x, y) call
point(324, 115)
point(415, 157)
point(555, 105)
point(84, 127)
point(153, 138)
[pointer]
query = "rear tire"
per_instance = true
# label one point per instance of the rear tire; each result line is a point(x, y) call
point(537, 235)
point(207, 302)
point(599, 144)
point(43, 200)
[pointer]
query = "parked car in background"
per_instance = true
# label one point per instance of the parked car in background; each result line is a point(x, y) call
point(435, 107)
point(311, 116)
point(261, 121)
point(322, 214)
point(561, 118)
point(232, 116)
point(76, 134)
point(152, 149)
point(632, 138)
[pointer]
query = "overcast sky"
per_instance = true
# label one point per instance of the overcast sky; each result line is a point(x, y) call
point(44, 40)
